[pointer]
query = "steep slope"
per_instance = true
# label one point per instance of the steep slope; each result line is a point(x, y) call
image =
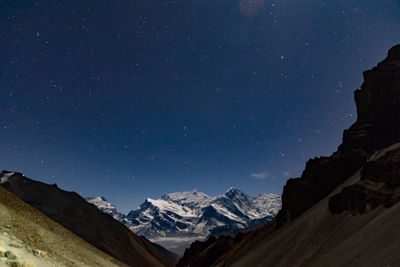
point(343, 210)
point(36, 239)
point(85, 220)
point(176, 220)
point(319, 237)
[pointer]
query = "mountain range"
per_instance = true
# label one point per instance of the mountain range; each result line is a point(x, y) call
point(177, 219)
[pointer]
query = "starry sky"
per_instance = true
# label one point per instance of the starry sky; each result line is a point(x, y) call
point(135, 99)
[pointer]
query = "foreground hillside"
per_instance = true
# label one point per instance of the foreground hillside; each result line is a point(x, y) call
point(177, 219)
point(320, 237)
point(86, 221)
point(28, 237)
point(344, 209)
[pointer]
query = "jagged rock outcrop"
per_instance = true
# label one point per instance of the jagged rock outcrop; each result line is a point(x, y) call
point(378, 113)
point(377, 126)
point(207, 252)
point(319, 178)
point(379, 186)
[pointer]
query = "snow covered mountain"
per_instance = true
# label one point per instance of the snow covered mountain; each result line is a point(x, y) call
point(102, 204)
point(176, 220)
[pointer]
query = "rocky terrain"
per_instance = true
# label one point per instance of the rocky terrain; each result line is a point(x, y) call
point(86, 221)
point(343, 210)
point(379, 185)
point(178, 219)
point(30, 239)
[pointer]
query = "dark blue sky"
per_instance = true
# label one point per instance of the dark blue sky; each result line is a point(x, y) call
point(134, 99)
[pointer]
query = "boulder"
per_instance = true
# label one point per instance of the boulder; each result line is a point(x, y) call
point(9, 255)
point(379, 186)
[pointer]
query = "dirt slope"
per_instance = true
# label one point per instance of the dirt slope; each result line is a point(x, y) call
point(86, 221)
point(25, 231)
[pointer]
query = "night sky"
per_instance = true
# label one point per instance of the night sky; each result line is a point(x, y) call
point(135, 99)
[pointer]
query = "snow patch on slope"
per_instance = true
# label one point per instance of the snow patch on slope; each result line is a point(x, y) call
point(4, 176)
point(102, 204)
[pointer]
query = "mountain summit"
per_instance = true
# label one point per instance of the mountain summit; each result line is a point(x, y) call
point(102, 204)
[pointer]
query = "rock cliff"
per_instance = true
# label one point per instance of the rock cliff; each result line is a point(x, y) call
point(377, 126)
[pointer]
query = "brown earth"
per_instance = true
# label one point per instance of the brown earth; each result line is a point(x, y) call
point(24, 231)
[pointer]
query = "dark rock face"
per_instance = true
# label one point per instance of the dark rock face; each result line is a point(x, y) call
point(204, 254)
point(378, 102)
point(385, 170)
point(379, 186)
point(319, 178)
point(377, 127)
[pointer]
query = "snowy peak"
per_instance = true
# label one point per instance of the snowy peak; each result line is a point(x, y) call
point(5, 175)
point(102, 204)
point(237, 195)
point(148, 200)
point(100, 200)
point(233, 190)
point(188, 198)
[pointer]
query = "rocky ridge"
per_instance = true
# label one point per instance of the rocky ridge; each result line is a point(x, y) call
point(102, 204)
point(377, 126)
